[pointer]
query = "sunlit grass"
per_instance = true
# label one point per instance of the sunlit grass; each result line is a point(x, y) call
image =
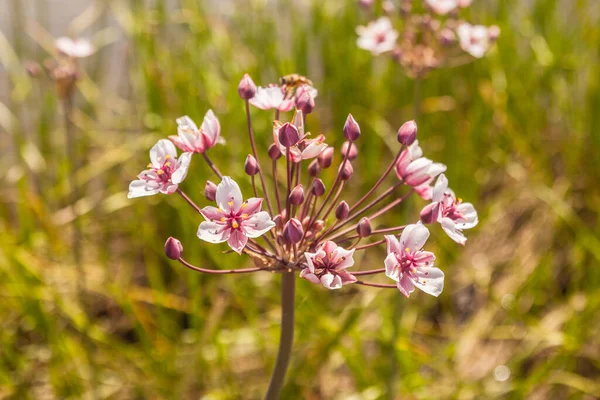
point(519, 131)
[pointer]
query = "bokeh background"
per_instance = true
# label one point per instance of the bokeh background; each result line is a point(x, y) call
point(518, 129)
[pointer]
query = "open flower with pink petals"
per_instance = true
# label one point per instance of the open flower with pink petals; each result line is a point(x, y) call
point(306, 148)
point(377, 37)
point(450, 212)
point(270, 97)
point(327, 266)
point(191, 139)
point(409, 265)
point(417, 171)
point(442, 7)
point(76, 48)
point(165, 171)
point(234, 220)
point(476, 39)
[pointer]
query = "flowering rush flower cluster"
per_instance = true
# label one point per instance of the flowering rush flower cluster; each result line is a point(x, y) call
point(426, 34)
point(301, 223)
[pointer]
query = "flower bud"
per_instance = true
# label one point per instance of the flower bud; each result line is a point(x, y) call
point(366, 3)
point(33, 69)
point(364, 227)
point(314, 169)
point(318, 225)
point(326, 157)
point(251, 166)
point(210, 191)
point(351, 128)
point(246, 88)
point(173, 248)
point(304, 100)
point(297, 195)
point(274, 152)
point(353, 153)
point(430, 213)
point(318, 188)
point(447, 37)
point(278, 221)
point(293, 232)
point(342, 210)
point(346, 171)
point(288, 135)
point(407, 133)
point(388, 7)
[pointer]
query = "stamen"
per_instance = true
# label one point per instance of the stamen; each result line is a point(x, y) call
point(223, 219)
point(159, 172)
point(234, 224)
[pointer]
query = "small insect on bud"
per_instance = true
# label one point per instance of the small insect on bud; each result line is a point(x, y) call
point(351, 128)
point(274, 152)
point(247, 88)
point(293, 232)
point(305, 100)
point(407, 133)
point(430, 213)
point(346, 171)
point(314, 169)
point(318, 188)
point(210, 191)
point(342, 210)
point(326, 157)
point(288, 135)
point(353, 153)
point(364, 227)
point(173, 248)
point(297, 195)
point(251, 166)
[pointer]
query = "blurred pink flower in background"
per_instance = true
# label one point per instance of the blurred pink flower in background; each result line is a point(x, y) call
point(76, 48)
point(476, 39)
point(377, 37)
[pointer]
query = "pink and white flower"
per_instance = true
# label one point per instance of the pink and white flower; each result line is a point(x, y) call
point(327, 266)
point(409, 265)
point(234, 220)
point(452, 214)
point(165, 171)
point(191, 139)
point(270, 97)
point(442, 7)
point(476, 39)
point(416, 170)
point(78, 48)
point(305, 148)
point(377, 37)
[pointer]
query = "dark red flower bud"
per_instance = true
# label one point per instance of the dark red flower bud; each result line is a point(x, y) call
point(288, 135)
point(314, 169)
point(246, 88)
point(251, 166)
point(293, 232)
point(353, 150)
point(430, 213)
point(351, 128)
point(342, 210)
point(304, 100)
point(407, 133)
point(210, 191)
point(297, 195)
point(173, 248)
point(364, 227)
point(326, 157)
point(274, 152)
point(318, 188)
point(346, 171)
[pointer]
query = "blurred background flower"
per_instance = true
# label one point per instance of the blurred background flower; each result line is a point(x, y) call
point(518, 129)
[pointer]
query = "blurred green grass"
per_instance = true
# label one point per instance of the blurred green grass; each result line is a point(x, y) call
point(519, 131)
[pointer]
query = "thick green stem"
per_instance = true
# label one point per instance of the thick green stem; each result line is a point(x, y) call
point(286, 338)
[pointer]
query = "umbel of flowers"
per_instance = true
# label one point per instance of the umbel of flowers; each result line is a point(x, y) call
point(422, 35)
point(301, 223)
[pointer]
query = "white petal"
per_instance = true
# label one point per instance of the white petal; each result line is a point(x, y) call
point(258, 224)
point(430, 280)
point(309, 260)
point(213, 232)
point(392, 244)
point(186, 123)
point(441, 185)
point(139, 188)
point(183, 164)
point(414, 237)
point(228, 191)
point(331, 281)
point(392, 269)
point(309, 276)
point(451, 230)
point(470, 216)
point(211, 127)
point(160, 150)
